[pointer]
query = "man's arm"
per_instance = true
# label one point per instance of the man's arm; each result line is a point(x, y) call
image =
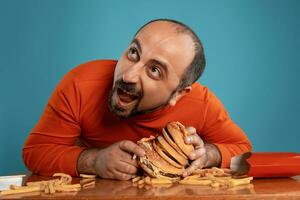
point(50, 146)
point(221, 131)
point(86, 161)
point(218, 140)
point(213, 156)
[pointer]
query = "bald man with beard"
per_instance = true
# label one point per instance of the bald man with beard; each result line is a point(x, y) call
point(108, 105)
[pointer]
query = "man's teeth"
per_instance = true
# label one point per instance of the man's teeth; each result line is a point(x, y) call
point(129, 93)
point(126, 96)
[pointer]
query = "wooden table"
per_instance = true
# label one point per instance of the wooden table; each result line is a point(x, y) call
point(276, 188)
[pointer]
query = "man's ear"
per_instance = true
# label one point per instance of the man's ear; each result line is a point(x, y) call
point(179, 94)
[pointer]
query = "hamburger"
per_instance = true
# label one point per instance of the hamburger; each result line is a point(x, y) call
point(166, 154)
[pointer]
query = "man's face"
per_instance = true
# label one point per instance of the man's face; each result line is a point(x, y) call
point(150, 69)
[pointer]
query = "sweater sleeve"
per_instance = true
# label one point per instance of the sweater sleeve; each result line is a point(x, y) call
point(50, 146)
point(220, 130)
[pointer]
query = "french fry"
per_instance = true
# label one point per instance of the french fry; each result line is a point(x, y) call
point(214, 177)
point(195, 182)
point(88, 176)
point(200, 172)
point(51, 188)
point(137, 178)
point(242, 181)
point(223, 175)
point(68, 188)
point(66, 178)
point(147, 180)
point(90, 184)
point(47, 191)
point(16, 187)
point(160, 181)
point(63, 189)
point(71, 186)
point(38, 183)
point(21, 190)
point(241, 187)
point(63, 184)
point(215, 184)
point(86, 181)
point(140, 182)
point(196, 176)
point(42, 186)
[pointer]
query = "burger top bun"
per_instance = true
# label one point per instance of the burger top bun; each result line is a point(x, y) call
point(178, 132)
point(169, 139)
point(169, 153)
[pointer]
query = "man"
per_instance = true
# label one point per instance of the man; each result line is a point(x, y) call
point(109, 105)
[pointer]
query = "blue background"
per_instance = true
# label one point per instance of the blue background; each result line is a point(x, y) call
point(252, 50)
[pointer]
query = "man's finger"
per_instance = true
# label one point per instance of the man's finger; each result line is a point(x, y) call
point(128, 158)
point(197, 153)
point(127, 168)
point(195, 140)
point(121, 176)
point(191, 130)
point(131, 147)
point(196, 164)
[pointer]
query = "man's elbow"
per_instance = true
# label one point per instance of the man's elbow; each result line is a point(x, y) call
point(248, 146)
point(26, 158)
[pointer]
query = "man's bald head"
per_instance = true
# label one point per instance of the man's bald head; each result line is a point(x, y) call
point(194, 71)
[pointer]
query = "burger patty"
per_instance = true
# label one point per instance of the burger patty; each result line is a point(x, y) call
point(150, 165)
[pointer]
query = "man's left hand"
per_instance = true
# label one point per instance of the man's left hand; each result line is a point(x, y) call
point(204, 154)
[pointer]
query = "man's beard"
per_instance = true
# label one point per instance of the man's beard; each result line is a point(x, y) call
point(130, 88)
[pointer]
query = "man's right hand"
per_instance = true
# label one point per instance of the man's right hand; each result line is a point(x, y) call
point(113, 162)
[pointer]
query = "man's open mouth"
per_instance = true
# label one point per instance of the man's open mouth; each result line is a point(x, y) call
point(126, 98)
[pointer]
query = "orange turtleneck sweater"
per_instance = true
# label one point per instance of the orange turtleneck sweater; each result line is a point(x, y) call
point(78, 109)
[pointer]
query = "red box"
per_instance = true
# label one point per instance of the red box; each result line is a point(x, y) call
point(267, 164)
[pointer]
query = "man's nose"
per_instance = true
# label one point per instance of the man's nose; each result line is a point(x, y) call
point(132, 74)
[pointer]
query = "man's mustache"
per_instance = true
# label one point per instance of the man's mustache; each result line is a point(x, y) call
point(128, 88)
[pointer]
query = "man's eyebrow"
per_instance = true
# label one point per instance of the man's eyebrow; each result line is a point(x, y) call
point(138, 44)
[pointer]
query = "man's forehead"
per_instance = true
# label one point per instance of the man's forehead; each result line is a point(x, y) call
point(159, 33)
point(161, 41)
point(163, 35)
point(158, 29)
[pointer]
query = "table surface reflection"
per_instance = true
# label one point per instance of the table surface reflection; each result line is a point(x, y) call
point(275, 188)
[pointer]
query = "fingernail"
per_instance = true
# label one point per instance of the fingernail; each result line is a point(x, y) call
point(142, 153)
point(187, 140)
point(191, 130)
point(192, 155)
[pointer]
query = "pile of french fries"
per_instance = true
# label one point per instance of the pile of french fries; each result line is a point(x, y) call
point(146, 181)
point(213, 177)
point(61, 183)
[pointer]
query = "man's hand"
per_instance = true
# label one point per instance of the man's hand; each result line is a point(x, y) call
point(113, 162)
point(204, 155)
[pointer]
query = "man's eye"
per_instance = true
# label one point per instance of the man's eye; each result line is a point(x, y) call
point(133, 54)
point(154, 72)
